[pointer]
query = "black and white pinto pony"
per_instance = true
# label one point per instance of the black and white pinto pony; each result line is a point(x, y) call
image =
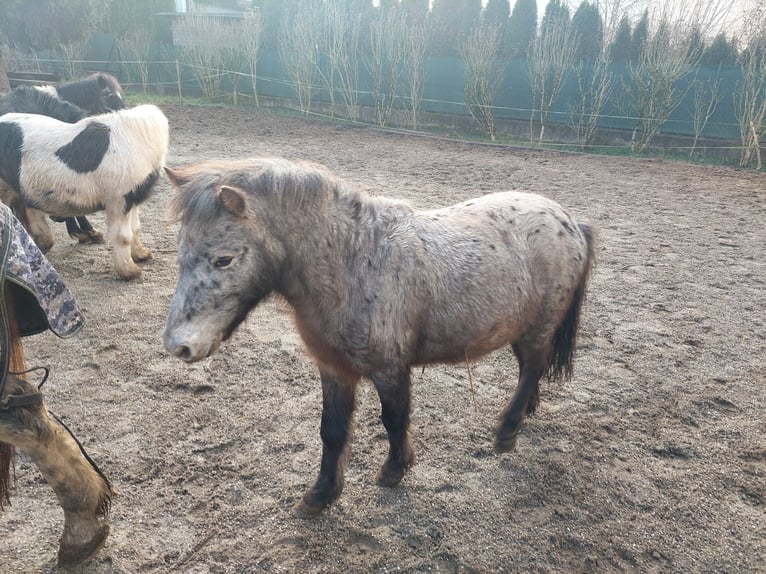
point(68, 102)
point(108, 162)
point(376, 288)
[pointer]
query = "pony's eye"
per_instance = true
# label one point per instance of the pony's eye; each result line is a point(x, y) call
point(223, 262)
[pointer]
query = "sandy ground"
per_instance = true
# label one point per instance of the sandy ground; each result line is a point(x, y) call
point(652, 459)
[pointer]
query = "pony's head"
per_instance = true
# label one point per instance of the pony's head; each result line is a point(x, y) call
point(98, 93)
point(230, 256)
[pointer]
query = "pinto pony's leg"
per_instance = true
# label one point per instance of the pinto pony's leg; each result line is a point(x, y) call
point(394, 392)
point(338, 401)
point(137, 250)
point(81, 490)
point(119, 230)
point(37, 225)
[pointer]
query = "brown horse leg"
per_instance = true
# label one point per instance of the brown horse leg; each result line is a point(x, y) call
point(81, 491)
point(338, 398)
point(394, 393)
point(525, 399)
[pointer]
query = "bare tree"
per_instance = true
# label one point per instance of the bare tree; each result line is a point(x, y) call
point(385, 60)
point(480, 52)
point(706, 100)
point(654, 90)
point(595, 84)
point(341, 46)
point(133, 47)
point(250, 44)
point(73, 53)
point(299, 38)
point(750, 93)
point(204, 41)
point(550, 56)
point(418, 35)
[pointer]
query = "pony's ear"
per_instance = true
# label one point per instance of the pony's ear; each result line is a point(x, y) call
point(233, 200)
point(176, 177)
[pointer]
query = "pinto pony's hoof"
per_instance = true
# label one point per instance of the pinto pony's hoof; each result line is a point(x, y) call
point(73, 554)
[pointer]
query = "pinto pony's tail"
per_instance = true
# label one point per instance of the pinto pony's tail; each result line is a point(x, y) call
point(561, 362)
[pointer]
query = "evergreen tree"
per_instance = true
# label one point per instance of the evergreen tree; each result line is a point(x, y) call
point(589, 28)
point(556, 14)
point(416, 10)
point(638, 37)
point(452, 19)
point(497, 12)
point(619, 49)
point(522, 27)
point(721, 52)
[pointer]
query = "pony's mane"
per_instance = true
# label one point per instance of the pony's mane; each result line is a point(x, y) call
point(294, 183)
point(28, 99)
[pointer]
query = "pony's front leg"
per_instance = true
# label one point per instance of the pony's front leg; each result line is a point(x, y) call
point(394, 392)
point(81, 490)
point(338, 399)
point(121, 237)
point(137, 249)
point(37, 225)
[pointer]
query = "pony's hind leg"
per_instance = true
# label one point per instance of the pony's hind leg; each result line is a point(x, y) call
point(338, 401)
point(394, 392)
point(532, 365)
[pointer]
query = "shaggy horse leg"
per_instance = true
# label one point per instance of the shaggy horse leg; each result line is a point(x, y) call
point(37, 225)
point(137, 250)
point(82, 492)
point(121, 237)
point(525, 399)
point(394, 393)
point(338, 398)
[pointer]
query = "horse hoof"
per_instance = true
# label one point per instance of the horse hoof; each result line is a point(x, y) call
point(505, 443)
point(146, 256)
point(130, 274)
point(388, 478)
point(73, 554)
point(96, 237)
point(306, 509)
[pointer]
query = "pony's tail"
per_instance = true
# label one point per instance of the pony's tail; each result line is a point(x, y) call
point(561, 363)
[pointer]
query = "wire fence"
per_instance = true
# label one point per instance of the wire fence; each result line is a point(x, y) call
point(441, 107)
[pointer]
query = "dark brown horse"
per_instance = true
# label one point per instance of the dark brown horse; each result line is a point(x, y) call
point(33, 299)
point(377, 288)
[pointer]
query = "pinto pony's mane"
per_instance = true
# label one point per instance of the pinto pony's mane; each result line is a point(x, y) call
point(298, 184)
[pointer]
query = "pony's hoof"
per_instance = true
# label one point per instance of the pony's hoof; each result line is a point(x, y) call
point(73, 554)
point(142, 256)
point(93, 237)
point(505, 443)
point(305, 509)
point(130, 274)
point(391, 474)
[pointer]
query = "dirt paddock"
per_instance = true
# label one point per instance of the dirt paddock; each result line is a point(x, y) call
point(651, 459)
